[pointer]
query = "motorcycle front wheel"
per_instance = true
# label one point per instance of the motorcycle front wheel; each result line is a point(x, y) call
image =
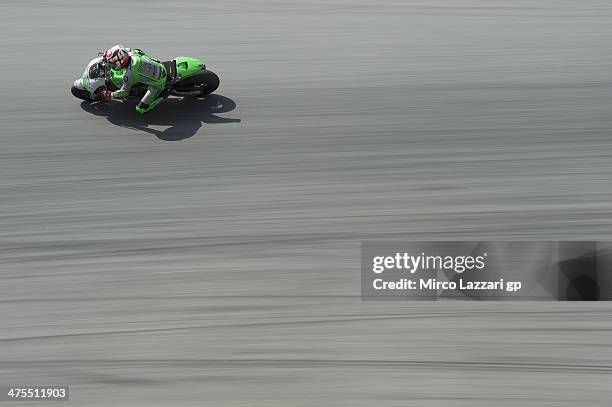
point(80, 93)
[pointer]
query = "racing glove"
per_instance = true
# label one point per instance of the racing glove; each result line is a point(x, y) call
point(106, 95)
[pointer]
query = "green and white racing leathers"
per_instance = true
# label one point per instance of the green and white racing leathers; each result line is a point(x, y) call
point(146, 70)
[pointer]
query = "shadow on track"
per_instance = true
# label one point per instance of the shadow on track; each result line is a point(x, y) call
point(184, 117)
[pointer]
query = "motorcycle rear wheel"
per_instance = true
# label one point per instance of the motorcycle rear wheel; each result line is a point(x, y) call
point(198, 85)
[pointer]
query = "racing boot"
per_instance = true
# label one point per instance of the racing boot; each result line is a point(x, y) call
point(151, 99)
point(142, 107)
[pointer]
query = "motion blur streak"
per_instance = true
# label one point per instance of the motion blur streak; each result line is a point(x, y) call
point(208, 254)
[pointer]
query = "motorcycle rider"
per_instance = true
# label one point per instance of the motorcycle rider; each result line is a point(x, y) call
point(139, 68)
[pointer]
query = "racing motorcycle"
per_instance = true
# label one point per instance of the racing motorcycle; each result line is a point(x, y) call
point(186, 77)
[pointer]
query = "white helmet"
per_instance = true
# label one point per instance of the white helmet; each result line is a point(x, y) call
point(118, 56)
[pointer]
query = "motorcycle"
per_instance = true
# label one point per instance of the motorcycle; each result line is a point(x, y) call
point(186, 77)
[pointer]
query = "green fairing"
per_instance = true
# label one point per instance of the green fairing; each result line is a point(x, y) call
point(187, 66)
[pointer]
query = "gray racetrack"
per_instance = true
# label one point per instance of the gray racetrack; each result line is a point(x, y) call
point(208, 253)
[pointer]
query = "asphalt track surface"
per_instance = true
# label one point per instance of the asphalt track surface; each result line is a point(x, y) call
point(208, 253)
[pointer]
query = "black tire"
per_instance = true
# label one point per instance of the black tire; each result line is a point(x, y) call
point(198, 85)
point(80, 93)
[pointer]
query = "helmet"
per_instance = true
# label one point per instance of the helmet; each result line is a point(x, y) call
point(118, 56)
